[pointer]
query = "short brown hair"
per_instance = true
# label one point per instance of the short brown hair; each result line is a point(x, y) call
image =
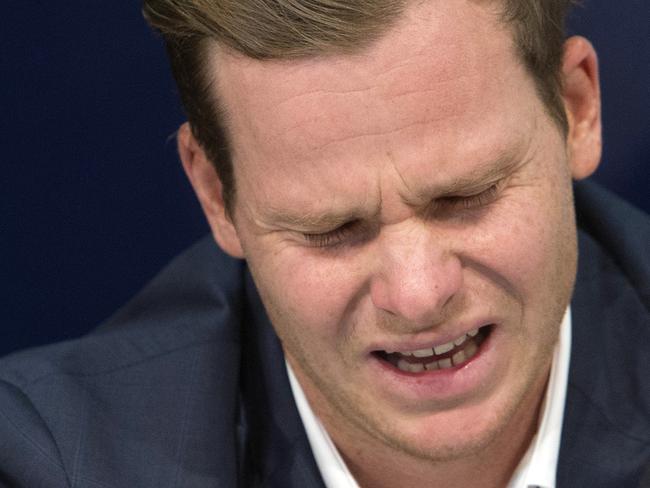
point(275, 29)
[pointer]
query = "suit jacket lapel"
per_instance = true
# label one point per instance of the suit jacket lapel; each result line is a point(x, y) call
point(605, 433)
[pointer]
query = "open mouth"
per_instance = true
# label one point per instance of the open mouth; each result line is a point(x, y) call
point(443, 356)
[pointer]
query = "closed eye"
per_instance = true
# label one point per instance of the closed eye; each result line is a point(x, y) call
point(349, 233)
point(467, 202)
point(355, 232)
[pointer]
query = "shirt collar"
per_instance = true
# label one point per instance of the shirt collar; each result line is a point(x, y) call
point(332, 468)
point(536, 469)
point(539, 465)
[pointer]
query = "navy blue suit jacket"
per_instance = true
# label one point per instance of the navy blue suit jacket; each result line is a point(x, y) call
point(186, 386)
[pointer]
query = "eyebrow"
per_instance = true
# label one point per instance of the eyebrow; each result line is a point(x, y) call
point(483, 174)
point(486, 172)
point(308, 221)
point(490, 171)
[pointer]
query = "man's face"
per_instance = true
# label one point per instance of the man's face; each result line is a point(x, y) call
point(399, 200)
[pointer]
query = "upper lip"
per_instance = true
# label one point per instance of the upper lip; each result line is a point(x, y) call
point(431, 341)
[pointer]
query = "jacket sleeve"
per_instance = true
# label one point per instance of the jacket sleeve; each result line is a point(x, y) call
point(29, 456)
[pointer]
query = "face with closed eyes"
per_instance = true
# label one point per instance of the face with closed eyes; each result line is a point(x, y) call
point(397, 201)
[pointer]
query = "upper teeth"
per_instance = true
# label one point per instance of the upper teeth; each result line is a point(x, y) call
point(442, 348)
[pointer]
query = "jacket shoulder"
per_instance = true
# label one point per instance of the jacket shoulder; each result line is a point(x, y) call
point(606, 431)
point(620, 229)
point(127, 404)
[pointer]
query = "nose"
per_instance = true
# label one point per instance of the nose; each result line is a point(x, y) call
point(415, 279)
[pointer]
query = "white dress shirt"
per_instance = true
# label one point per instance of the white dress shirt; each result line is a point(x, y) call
point(536, 469)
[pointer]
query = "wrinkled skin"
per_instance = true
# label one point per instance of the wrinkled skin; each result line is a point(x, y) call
point(401, 197)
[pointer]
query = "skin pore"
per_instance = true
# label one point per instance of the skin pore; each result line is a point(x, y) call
point(397, 199)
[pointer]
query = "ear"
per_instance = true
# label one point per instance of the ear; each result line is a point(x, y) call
point(581, 94)
point(209, 190)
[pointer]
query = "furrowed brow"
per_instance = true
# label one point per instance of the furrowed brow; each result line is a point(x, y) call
point(485, 173)
point(307, 221)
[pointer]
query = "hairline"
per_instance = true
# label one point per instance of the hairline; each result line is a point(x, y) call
point(221, 114)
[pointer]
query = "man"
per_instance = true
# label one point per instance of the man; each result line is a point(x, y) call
point(398, 178)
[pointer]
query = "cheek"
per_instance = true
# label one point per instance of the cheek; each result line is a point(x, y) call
point(311, 293)
point(527, 245)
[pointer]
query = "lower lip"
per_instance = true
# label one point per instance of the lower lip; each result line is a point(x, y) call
point(441, 384)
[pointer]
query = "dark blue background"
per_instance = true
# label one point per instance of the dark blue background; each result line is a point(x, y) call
point(93, 198)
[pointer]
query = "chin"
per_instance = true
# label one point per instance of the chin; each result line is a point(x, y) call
point(464, 432)
point(431, 441)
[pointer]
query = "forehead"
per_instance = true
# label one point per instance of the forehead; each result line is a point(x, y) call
point(441, 85)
